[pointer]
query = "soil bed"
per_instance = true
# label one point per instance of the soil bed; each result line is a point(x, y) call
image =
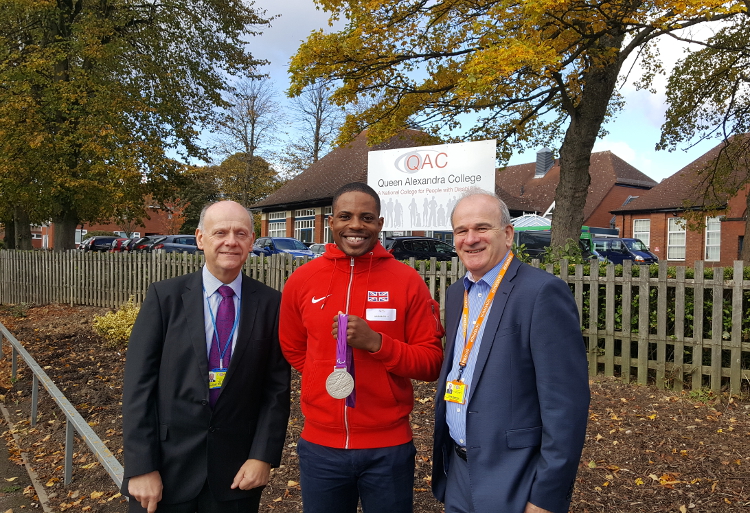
point(647, 450)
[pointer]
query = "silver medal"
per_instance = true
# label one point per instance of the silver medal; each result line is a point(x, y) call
point(339, 384)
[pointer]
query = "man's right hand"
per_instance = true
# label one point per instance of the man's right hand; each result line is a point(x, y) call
point(146, 489)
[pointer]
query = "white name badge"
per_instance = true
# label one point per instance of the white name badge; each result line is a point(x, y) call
point(380, 314)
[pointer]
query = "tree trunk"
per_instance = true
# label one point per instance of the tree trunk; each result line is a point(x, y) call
point(22, 228)
point(65, 231)
point(586, 118)
point(10, 234)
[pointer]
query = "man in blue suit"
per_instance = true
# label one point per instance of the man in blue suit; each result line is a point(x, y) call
point(513, 395)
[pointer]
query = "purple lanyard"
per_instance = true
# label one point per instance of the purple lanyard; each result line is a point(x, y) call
point(344, 356)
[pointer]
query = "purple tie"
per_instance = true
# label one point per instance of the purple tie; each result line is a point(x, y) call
point(221, 341)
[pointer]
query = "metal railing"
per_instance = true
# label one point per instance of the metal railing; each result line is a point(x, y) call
point(74, 422)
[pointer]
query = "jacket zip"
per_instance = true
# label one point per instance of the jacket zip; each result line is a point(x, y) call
point(348, 298)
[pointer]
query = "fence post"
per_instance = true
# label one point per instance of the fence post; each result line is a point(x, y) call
point(735, 341)
point(14, 363)
point(593, 345)
point(661, 325)
point(698, 298)
point(34, 399)
point(69, 440)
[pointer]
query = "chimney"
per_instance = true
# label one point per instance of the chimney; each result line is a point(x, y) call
point(544, 162)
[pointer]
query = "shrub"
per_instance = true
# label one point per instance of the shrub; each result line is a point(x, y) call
point(115, 327)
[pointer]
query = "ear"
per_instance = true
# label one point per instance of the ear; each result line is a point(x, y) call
point(199, 238)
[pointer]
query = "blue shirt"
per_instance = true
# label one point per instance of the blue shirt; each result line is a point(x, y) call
point(212, 298)
point(455, 414)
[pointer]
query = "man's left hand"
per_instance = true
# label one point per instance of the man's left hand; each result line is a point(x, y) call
point(530, 508)
point(252, 474)
point(359, 334)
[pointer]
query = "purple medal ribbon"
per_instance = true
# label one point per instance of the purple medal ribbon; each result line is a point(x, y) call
point(344, 356)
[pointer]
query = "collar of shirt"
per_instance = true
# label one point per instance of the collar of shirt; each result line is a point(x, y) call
point(211, 283)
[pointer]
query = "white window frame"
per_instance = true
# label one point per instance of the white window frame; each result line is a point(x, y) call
point(676, 239)
point(304, 225)
point(277, 215)
point(277, 229)
point(642, 232)
point(305, 212)
point(327, 233)
point(712, 253)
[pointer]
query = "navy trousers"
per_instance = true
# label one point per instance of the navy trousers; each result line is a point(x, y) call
point(335, 480)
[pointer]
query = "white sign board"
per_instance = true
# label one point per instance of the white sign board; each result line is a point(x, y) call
point(419, 186)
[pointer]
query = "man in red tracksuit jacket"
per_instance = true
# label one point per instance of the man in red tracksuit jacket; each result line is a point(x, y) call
point(360, 446)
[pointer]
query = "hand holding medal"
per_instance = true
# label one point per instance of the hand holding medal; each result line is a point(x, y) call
point(340, 383)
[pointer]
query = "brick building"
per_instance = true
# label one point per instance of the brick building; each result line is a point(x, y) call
point(659, 217)
point(301, 207)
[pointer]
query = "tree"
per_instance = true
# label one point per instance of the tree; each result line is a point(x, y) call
point(526, 73)
point(708, 97)
point(246, 180)
point(96, 94)
point(318, 120)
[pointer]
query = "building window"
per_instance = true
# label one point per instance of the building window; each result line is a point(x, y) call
point(713, 239)
point(305, 212)
point(642, 230)
point(277, 224)
point(676, 239)
point(327, 234)
point(304, 229)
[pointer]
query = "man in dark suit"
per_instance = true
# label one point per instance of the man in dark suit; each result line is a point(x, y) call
point(509, 433)
point(206, 391)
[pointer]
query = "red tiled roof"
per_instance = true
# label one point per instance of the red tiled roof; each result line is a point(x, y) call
point(316, 185)
point(689, 187)
point(606, 170)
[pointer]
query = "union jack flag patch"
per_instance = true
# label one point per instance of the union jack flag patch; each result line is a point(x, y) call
point(377, 297)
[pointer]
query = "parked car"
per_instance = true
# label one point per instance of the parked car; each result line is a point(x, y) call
point(616, 250)
point(174, 244)
point(421, 248)
point(318, 249)
point(143, 243)
point(118, 244)
point(97, 243)
point(265, 246)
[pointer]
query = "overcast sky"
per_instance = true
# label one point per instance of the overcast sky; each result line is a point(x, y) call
point(633, 133)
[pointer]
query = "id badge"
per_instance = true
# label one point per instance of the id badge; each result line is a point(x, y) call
point(216, 378)
point(455, 392)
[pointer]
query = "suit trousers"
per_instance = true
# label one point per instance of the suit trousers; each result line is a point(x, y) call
point(204, 503)
point(458, 486)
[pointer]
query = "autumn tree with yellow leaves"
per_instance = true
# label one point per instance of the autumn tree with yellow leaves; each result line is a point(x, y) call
point(95, 96)
point(530, 74)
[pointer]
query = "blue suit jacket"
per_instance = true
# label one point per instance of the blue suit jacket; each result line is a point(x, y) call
point(528, 404)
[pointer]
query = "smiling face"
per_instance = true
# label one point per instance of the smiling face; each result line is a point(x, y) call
point(226, 239)
point(480, 238)
point(355, 223)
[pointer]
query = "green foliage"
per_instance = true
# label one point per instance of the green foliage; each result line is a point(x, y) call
point(20, 309)
point(520, 253)
point(96, 95)
point(115, 327)
point(570, 251)
point(528, 74)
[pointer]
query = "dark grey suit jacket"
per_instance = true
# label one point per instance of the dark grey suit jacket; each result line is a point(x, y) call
point(528, 404)
point(168, 424)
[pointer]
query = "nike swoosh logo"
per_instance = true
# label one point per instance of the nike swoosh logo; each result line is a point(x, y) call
point(319, 299)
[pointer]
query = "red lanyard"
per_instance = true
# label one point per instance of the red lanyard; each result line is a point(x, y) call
point(482, 313)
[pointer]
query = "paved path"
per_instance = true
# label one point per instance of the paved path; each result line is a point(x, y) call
point(15, 478)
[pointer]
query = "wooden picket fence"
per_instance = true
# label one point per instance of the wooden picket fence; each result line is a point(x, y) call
point(691, 331)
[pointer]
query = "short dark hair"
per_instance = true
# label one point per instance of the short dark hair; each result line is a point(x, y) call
point(356, 187)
